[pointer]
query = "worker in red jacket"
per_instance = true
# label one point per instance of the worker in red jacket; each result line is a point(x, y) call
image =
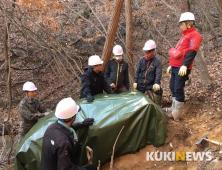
point(181, 61)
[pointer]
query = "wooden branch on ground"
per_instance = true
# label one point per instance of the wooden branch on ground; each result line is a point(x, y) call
point(89, 154)
point(112, 157)
point(98, 165)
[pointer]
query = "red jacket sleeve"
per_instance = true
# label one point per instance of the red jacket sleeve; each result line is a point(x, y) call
point(195, 41)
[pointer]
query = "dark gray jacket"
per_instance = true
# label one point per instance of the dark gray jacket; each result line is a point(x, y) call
point(110, 74)
point(148, 72)
point(93, 83)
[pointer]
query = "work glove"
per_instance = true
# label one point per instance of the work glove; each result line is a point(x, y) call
point(46, 113)
point(76, 126)
point(87, 122)
point(135, 85)
point(156, 87)
point(169, 70)
point(182, 71)
point(90, 98)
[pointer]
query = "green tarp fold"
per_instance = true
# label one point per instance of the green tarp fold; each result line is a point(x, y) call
point(144, 124)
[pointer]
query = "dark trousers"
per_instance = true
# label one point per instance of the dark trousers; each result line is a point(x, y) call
point(177, 84)
point(119, 90)
point(143, 89)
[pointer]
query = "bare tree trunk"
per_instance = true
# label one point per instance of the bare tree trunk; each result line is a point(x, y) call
point(202, 68)
point(107, 50)
point(189, 5)
point(6, 44)
point(7, 69)
point(220, 14)
point(129, 39)
point(8, 81)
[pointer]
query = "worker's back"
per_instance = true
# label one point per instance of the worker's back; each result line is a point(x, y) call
point(57, 146)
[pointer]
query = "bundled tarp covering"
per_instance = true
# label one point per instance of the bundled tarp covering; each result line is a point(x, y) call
point(144, 124)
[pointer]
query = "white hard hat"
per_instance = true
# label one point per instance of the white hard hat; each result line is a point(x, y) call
point(94, 60)
point(187, 16)
point(66, 108)
point(117, 50)
point(29, 86)
point(149, 45)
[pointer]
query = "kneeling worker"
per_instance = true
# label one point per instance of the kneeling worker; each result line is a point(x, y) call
point(58, 141)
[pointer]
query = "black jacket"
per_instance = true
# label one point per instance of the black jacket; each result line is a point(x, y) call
point(110, 74)
point(93, 83)
point(148, 78)
point(58, 149)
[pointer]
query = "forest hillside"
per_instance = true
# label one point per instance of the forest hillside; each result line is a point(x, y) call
point(49, 42)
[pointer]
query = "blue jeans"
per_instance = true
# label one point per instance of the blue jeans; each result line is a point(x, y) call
point(177, 84)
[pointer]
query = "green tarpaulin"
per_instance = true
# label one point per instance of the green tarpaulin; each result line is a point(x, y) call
point(144, 123)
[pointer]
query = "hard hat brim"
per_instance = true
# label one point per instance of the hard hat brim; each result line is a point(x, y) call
point(185, 20)
point(97, 63)
point(33, 89)
point(147, 49)
point(78, 108)
point(118, 53)
point(30, 90)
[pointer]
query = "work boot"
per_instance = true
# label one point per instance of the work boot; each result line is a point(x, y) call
point(177, 111)
point(158, 99)
point(169, 109)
